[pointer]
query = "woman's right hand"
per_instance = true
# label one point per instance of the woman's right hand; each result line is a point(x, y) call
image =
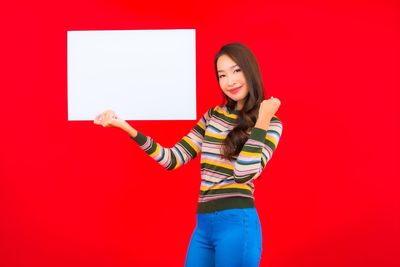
point(108, 118)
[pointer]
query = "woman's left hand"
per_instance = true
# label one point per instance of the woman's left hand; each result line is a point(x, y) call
point(267, 110)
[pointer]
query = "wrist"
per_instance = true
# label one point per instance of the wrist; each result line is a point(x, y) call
point(263, 122)
point(128, 129)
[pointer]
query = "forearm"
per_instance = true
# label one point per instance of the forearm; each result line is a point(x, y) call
point(258, 150)
point(263, 122)
point(248, 163)
point(128, 129)
point(181, 153)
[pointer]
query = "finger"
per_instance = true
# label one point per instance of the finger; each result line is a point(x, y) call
point(110, 114)
point(102, 119)
point(109, 117)
point(97, 119)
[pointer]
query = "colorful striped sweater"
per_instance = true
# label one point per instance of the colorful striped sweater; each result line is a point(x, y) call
point(225, 184)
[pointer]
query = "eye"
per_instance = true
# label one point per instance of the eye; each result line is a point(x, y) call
point(237, 70)
point(221, 76)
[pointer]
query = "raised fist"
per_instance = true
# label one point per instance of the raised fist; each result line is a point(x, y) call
point(269, 107)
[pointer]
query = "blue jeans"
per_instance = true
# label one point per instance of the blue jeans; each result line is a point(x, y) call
point(227, 238)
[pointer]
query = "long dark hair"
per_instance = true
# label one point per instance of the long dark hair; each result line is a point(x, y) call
point(247, 116)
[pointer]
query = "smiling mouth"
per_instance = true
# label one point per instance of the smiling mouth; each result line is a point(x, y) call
point(235, 90)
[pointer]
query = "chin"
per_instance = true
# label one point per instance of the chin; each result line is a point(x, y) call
point(237, 98)
point(233, 99)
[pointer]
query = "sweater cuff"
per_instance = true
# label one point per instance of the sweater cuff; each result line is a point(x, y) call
point(258, 134)
point(140, 138)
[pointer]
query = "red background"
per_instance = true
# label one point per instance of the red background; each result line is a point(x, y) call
point(76, 194)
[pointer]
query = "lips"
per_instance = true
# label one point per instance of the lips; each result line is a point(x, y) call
point(235, 90)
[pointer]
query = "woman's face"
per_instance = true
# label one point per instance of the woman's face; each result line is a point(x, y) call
point(232, 80)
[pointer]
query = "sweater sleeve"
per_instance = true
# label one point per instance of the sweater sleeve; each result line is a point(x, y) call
point(257, 151)
point(182, 152)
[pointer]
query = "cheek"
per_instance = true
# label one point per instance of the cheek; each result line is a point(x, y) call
point(221, 84)
point(242, 79)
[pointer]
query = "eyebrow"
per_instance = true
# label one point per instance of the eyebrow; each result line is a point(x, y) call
point(229, 67)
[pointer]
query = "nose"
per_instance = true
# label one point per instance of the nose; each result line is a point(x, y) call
point(231, 80)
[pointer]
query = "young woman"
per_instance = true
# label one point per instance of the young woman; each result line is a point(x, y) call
point(235, 140)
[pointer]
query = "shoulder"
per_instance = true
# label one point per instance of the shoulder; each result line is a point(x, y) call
point(219, 109)
point(222, 112)
point(208, 114)
point(216, 109)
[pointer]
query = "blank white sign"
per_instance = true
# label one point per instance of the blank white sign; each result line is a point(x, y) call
point(140, 74)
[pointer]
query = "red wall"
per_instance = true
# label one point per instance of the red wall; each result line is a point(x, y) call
point(76, 194)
